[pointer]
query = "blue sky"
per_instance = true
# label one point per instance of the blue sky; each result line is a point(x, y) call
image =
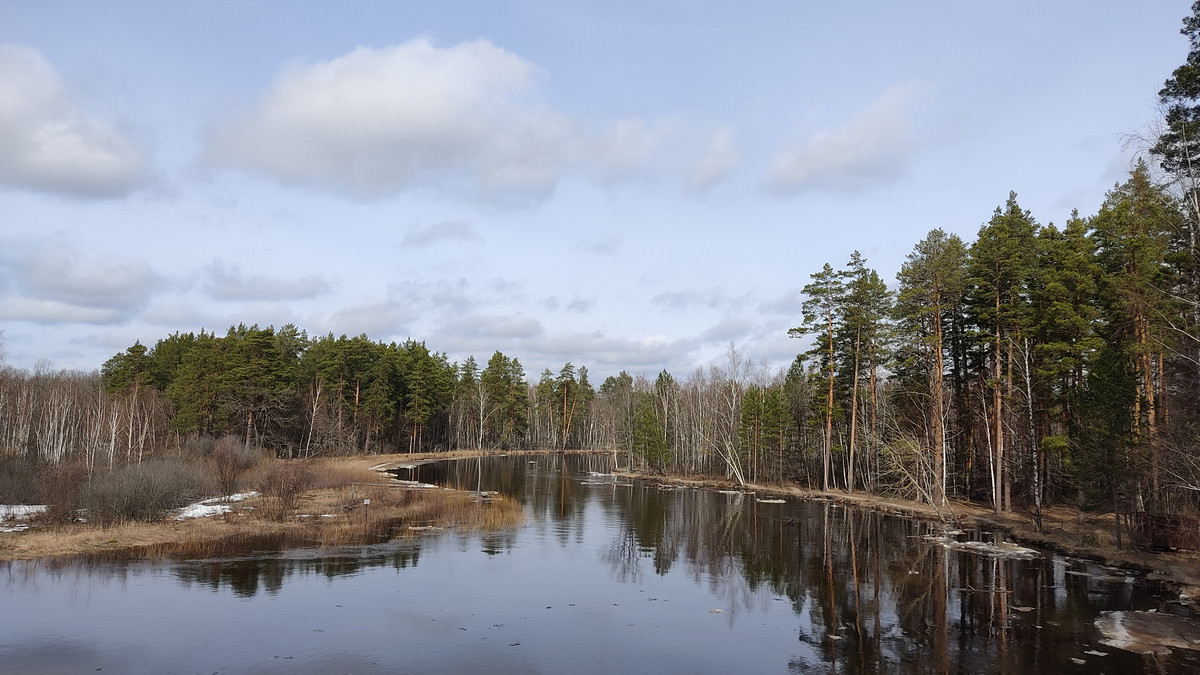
point(621, 185)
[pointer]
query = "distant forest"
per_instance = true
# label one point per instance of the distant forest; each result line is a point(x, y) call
point(1035, 365)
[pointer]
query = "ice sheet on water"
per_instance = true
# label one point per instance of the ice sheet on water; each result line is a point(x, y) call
point(1148, 632)
point(1003, 549)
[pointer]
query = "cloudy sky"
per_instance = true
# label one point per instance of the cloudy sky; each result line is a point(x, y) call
point(623, 185)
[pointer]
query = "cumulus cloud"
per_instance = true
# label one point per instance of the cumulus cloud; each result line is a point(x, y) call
point(49, 281)
point(465, 118)
point(227, 282)
point(48, 143)
point(874, 148)
point(454, 230)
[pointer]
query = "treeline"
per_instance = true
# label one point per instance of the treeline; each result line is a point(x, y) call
point(1036, 365)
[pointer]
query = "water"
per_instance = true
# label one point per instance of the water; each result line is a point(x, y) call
point(606, 575)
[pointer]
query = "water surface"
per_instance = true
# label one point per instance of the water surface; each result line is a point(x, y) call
point(606, 575)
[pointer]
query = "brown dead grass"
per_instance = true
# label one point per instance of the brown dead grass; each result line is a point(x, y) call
point(331, 513)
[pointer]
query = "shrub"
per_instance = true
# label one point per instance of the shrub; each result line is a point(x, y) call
point(18, 480)
point(281, 487)
point(58, 486)
point(230, 460)
point(143, 491)
point(195, 448)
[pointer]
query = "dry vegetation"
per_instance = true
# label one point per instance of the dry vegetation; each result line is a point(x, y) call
point(313, 503)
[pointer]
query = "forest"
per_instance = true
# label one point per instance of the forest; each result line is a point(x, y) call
point(1036, 365)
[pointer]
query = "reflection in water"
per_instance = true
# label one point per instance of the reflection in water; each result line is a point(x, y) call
point(249, 575)
point(608, 575)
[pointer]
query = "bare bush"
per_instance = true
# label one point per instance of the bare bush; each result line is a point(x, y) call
point(58, 486)
point(230, 460)
point(143, 491)
point(196, 448)
point(281, 488)
point(18, 484)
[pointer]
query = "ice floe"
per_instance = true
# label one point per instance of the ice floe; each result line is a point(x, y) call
point(1148, 632)
point(1003, 549)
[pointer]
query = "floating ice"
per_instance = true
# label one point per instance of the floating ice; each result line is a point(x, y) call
point(1148, 632)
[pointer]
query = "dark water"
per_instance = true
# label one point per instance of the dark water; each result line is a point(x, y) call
point(605, 576)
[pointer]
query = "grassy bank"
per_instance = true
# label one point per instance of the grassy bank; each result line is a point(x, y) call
point(330, 512)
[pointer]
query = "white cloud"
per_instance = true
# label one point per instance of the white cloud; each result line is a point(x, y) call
point(48, 143)
point(711, 298)
point(715, 162)
point(465, 119)
point(605, 353)
point(54, 311)
point(50, 281)
point(602, 245)
point(376, 319)
point(491, 326)
point(874, 148)
point(227, 282)
point(455, 230)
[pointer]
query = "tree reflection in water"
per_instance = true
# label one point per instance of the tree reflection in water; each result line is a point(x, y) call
point(862, 592)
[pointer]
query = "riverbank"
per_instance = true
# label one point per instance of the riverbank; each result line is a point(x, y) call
point(1065, 530)
point(350, 503)
point(333, 513)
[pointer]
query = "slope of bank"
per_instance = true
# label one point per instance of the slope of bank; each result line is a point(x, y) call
point(1065, 530)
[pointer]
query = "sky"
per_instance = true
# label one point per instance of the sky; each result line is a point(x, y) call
point(622, 185)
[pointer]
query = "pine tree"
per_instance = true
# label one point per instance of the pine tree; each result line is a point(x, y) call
point(1132, 234)
point(932, 282)
point(866, 304)
point(822, 316)
point(1001, 262)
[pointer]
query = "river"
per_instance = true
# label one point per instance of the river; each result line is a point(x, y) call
point(606, 575)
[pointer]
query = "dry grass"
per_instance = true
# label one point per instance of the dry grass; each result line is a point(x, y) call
point(330, 513)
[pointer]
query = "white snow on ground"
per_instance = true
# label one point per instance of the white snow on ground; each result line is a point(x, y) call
point(19, 511)
point(10, 514)
point(414, 484)
point(212, 507)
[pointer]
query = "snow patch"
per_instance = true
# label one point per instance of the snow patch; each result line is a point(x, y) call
point(212, 507)
point(414, 484)
point(13, 515)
